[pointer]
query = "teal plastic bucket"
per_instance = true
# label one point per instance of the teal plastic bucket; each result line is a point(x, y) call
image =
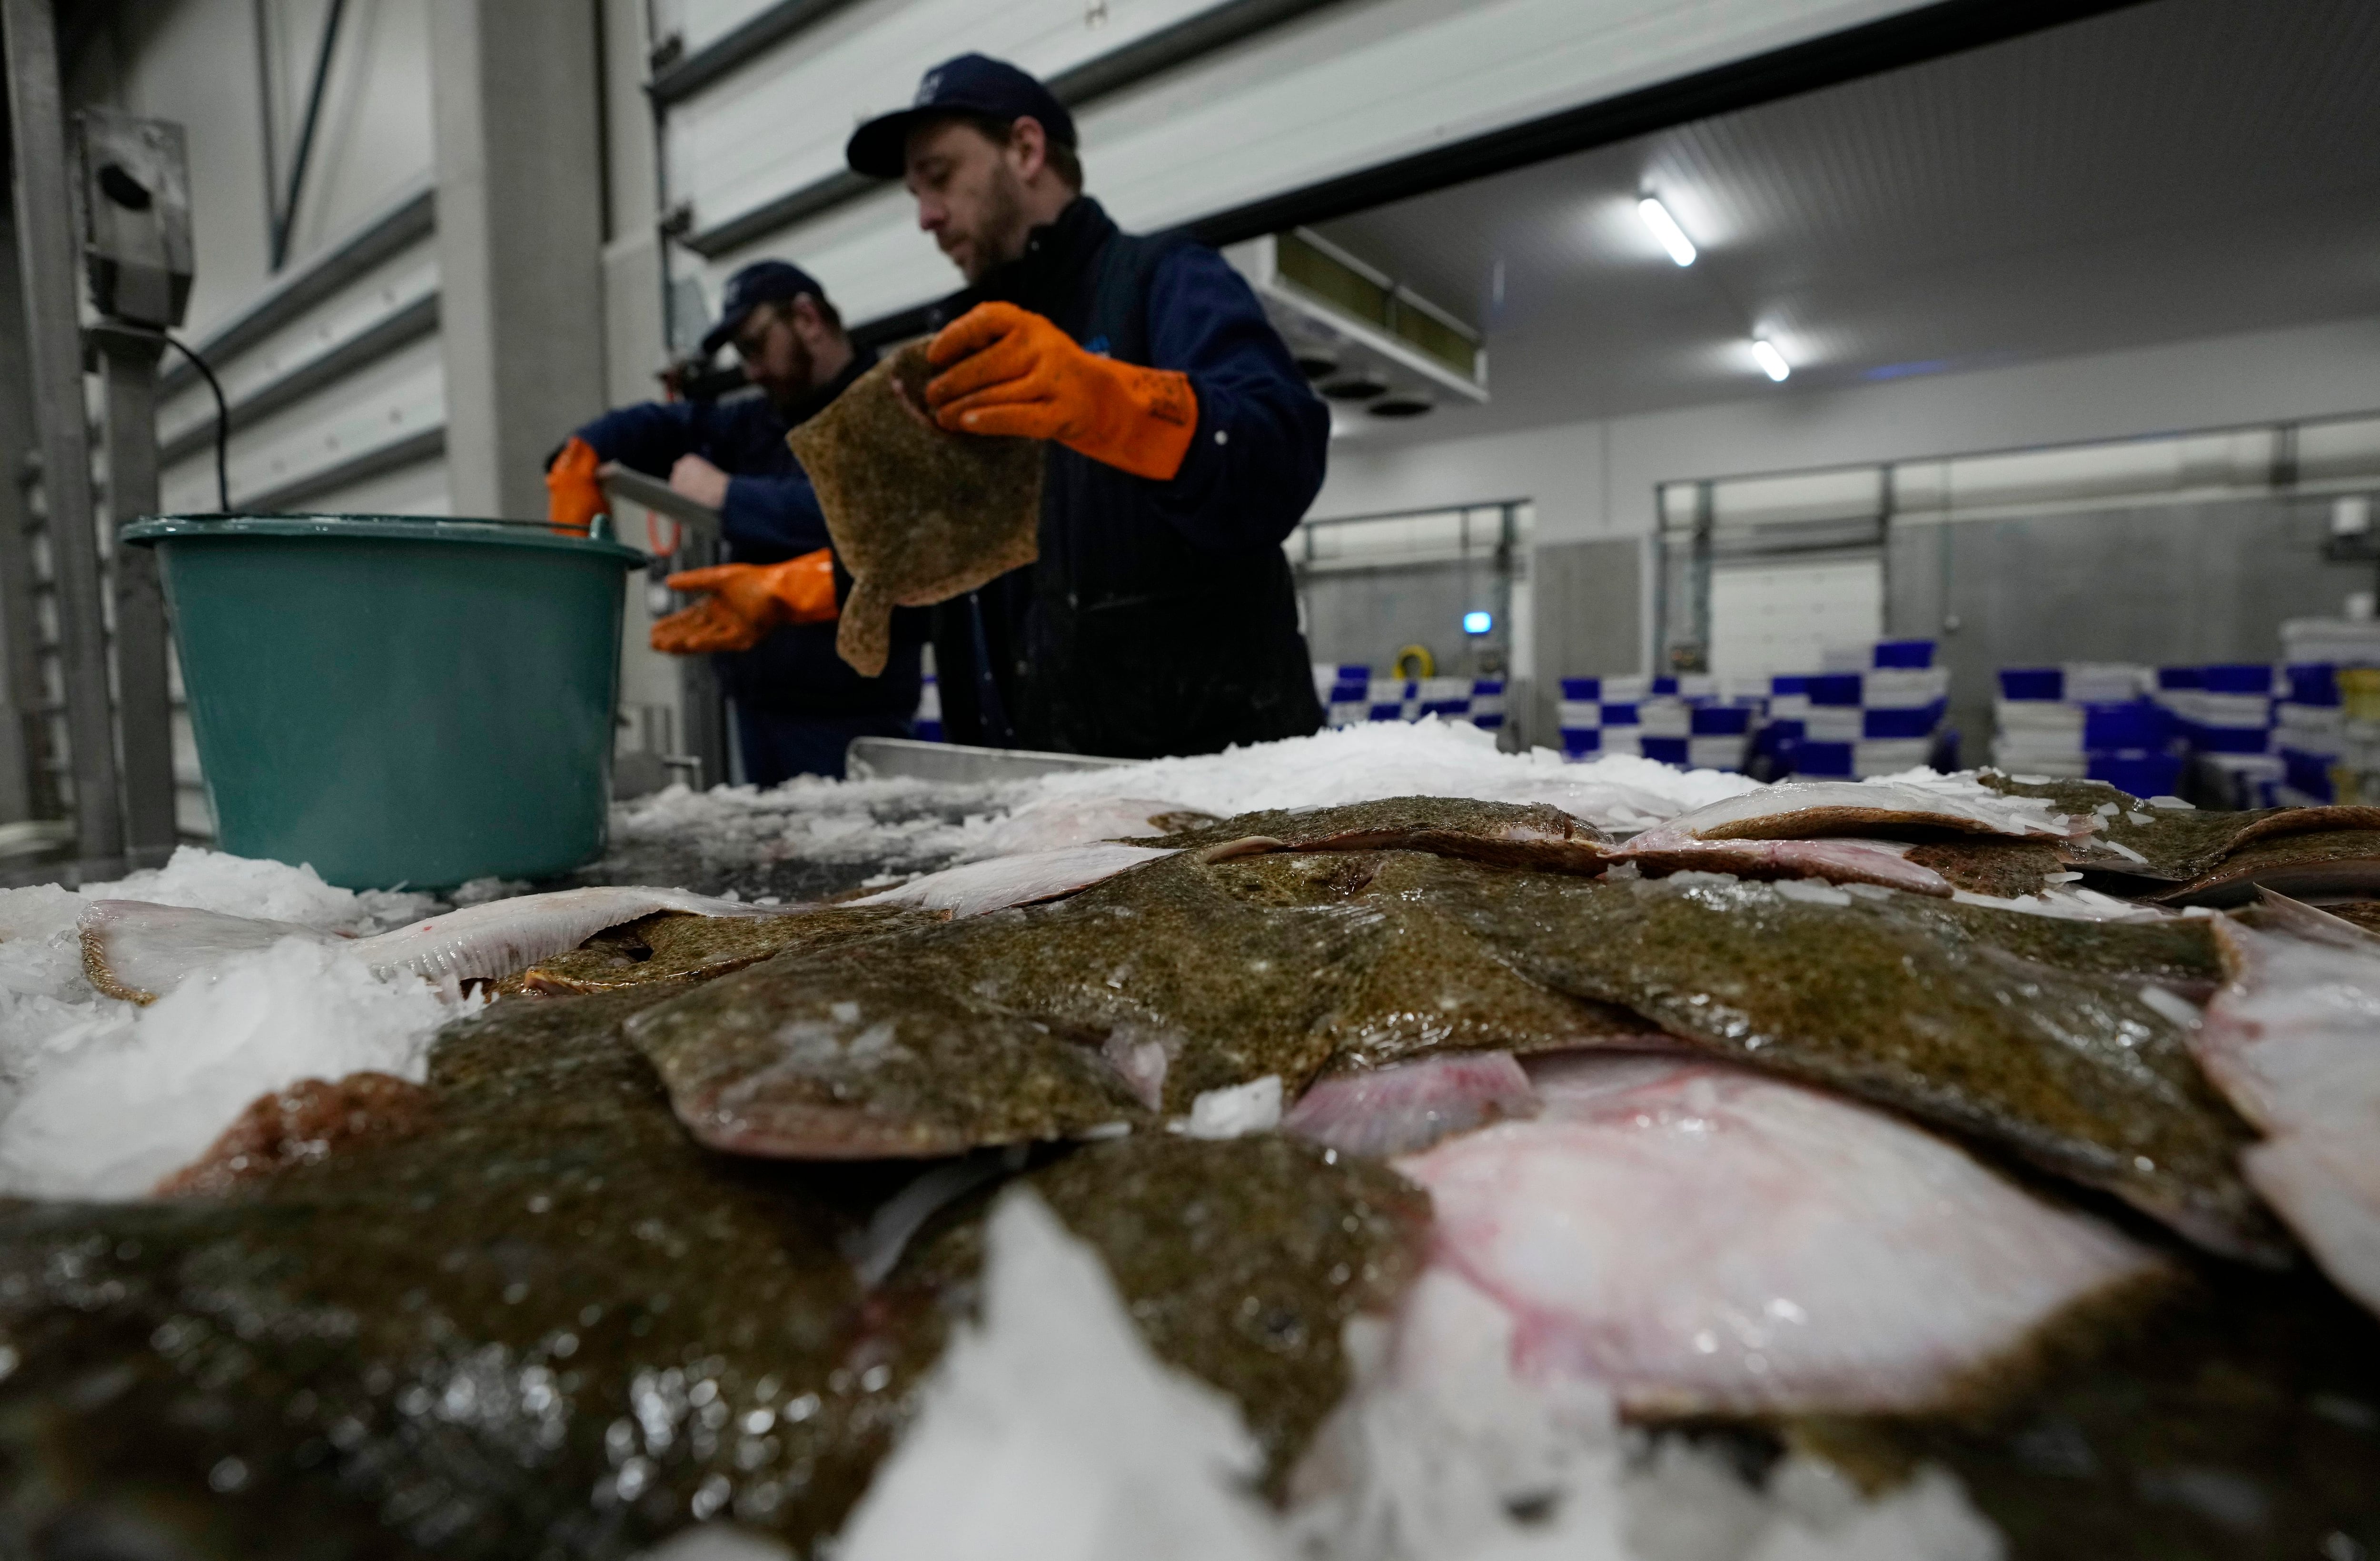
point(398, 700)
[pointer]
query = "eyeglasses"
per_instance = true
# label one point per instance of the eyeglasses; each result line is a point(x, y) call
point(753, 339)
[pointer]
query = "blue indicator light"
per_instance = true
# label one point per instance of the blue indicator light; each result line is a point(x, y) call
point(1478, 622)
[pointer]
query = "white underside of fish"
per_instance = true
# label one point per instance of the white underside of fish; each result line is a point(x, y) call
point(2294, 1043)
point(1838, 860)
point(1703, 1239)
point(1869, 805)
point(981, 886)
point(1409, 1106)
point(135, 948)
point(1056, 823)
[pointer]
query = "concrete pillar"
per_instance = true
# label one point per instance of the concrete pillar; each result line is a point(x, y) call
point(518, 100)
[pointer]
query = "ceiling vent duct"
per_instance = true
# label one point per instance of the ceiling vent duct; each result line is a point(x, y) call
point(1315, 362)
point(1357, 385)
point(1362, 335)
point(1401, 404)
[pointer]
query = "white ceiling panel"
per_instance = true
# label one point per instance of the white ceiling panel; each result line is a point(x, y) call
point(1347, 89)
point(781, 122)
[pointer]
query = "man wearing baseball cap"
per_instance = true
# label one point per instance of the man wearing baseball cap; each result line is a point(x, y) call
point(768, 614)
point(1183, 444)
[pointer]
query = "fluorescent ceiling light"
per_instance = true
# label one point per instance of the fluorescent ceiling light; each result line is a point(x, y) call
point(1772, 362)
point(1665, 227)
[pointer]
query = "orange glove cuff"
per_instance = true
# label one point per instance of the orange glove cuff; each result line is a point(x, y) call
point(573, 494)
point(1007, 370)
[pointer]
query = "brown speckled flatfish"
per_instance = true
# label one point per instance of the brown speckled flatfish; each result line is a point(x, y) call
point(542, 1325)
point(2032, 1033)
point(1240, 1262)
point(1034, 1023)
point(1421, 981)
point(2238, 1423)
point(2323, 862)
point(674, 947)
point(2174, 844)
point(1533, 834)
point(918, 514)
point(2003, 868)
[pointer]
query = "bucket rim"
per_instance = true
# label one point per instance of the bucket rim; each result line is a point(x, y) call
point(149, 530)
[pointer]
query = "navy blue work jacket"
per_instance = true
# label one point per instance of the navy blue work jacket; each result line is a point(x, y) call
point(1161, 616)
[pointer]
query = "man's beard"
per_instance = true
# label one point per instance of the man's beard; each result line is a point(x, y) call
point(801, 369)
point(1000, 237)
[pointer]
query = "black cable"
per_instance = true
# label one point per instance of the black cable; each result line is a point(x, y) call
point(222, 424)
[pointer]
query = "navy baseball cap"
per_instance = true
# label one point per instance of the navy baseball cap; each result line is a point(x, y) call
point(768, 281)
point(969, 84)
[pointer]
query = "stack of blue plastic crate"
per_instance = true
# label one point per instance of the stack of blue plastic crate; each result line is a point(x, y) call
point(1350, 695)
point(1879, 718)
point(2091, 720)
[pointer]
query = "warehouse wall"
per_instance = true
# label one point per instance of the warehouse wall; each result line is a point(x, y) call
point(1186, 107)
point(1593, 478)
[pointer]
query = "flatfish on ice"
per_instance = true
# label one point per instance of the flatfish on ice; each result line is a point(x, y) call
point(1240, 1262)
point(2294, 1042)
point(2061, 1041)
point(1816, 809)
point(2299, 863)
point(678, 946)
point(135, 950)
point(540, 1322)
point(1419, 981)
point(2163, 840)
point(1040, 1022)
point(1533, 834)
point(1705, 1239)
point(1129, 1000)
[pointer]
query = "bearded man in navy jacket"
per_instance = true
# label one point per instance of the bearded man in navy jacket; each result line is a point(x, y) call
point(1183, 444)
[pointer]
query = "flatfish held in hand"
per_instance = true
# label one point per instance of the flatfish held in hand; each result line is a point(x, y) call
point(918, 514)
point(2060, 1040)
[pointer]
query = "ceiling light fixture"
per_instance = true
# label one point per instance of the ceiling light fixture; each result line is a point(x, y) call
point(1665, 227)
point(1772, 362)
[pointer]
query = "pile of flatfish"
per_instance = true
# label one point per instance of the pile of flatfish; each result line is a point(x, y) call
point(1900, 1124)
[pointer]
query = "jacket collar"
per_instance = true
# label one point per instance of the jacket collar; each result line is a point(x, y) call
point(1049, 275)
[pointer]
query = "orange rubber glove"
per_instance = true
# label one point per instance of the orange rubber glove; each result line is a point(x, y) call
point(1007, 369)
point(573, 494)
point(746, 601)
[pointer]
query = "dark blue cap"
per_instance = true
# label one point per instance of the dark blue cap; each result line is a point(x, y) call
point(969, 84)
point(768, 281)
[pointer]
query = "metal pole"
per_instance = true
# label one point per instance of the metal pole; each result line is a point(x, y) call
point(127, 370)
point(28, 788)
point(54, 352)
point(702, 703)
